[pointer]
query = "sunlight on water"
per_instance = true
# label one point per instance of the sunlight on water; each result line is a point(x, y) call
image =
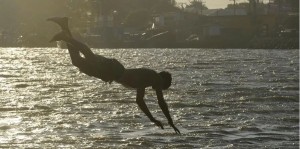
point(218, 99)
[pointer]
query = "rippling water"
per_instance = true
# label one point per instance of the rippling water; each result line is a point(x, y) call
point(218, 99)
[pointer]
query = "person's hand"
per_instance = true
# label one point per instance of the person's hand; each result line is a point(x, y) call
point(174, 127)
point(159, 124)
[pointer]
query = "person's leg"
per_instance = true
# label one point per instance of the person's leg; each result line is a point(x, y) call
point(89, 64)
point(81, 47)
point(76, 59)
point(81, 63)
point(63, 22)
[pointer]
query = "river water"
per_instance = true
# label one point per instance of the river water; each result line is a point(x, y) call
point(219, 98)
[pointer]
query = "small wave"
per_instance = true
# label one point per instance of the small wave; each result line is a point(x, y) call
point(117, 101)
point(5, 127)
point(197, 105)
point(259, 139)
point(39, 107)
point(14, 109)
point(289, 88)
point(217, 84)
point(232, 72)
point(272, 111)
point(213, 113)
point(207, 63)
point(291, 119)
point(287, 128)
point(38, 61)
point(8, 76)
point(274, 99)
point(252, 129)
point(21, 85)
point(250, 59)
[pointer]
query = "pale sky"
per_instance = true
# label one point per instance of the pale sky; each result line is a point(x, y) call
point(213, 4)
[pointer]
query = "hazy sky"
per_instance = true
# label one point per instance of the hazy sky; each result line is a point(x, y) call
point(212, 4)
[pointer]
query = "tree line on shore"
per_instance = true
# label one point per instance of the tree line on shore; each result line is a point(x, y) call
point(25, 19)
point(23, 22)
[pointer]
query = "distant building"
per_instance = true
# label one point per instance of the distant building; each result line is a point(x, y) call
point(240, 26)
point(212, 30)
point(168, 19)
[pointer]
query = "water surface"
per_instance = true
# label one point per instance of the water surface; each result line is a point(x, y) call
point(218, 99)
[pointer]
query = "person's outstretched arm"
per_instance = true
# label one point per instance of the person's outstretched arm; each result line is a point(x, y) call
point(141, 103)
point(164, 107)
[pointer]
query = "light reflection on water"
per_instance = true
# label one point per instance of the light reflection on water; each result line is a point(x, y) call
point(218, 99)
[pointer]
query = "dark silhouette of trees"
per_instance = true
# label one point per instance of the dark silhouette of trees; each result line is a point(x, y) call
point(26, 18)
point(128, 9)
point(197, 5)
point(138, 19)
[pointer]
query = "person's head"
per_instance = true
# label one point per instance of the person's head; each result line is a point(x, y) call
point(167, 79)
